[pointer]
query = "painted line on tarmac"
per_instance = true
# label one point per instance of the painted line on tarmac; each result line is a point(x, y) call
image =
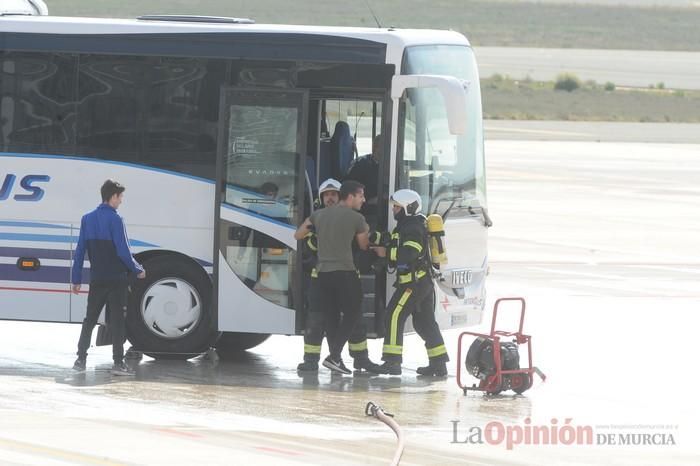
point(671, 269)
point(280, 451)
point(179, 433)
point(56, 454)
point(315, 449)
point(535, 131)
point(15, 458)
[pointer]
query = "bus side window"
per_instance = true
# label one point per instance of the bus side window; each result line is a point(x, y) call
point(39, 102)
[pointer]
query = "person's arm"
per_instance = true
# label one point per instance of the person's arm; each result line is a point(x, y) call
point(121, 243)
point(378, 243)
point(351, 174)
point(78, 259)
point(311, 242)
point(303, 230)
point(362, 233)
point(362, 240)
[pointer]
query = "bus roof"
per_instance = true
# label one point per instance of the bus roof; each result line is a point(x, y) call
point(395, 39)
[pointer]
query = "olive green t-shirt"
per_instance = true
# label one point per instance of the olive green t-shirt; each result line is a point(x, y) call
point(336, 228)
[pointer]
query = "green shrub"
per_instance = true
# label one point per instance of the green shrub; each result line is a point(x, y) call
point(609, 86)
point(567, 82)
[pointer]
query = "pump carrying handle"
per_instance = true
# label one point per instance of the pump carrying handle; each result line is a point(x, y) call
point(495, 313)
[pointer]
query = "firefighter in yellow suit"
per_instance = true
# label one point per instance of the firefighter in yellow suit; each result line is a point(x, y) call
point(407, 252)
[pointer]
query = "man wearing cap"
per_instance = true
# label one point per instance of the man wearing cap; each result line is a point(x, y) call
point(315, 318)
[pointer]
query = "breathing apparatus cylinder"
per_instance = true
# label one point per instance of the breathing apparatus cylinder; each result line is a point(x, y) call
point(436, 234)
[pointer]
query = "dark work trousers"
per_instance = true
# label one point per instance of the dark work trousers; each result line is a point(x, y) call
point(316, 327)
point(114, 295)
point(341, 304)
point(416, 299)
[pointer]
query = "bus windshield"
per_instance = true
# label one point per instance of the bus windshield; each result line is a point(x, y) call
point(445, 169)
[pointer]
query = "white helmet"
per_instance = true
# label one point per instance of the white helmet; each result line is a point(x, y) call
point(329, 185)
point(408, 199)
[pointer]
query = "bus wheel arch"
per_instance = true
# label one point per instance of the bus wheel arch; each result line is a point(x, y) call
point(171, 311)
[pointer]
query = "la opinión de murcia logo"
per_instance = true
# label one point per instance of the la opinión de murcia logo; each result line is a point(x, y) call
point(558, 433)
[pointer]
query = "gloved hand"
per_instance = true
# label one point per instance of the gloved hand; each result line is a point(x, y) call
point(378, 238)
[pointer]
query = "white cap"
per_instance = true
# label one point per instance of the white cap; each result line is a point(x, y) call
point(329, 185)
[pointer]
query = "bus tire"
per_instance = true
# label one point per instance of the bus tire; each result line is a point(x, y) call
point(170, 313)
point(231, 344)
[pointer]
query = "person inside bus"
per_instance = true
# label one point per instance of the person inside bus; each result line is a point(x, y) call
point(270, 190)
point(341, 292)
point(103, 236)
point(329, 193)
point(365, 170)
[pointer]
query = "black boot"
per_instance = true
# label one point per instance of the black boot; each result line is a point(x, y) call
point(307, 366)
point(433, 369)
point(390, 368)
point(360, 364)
point(79, 364)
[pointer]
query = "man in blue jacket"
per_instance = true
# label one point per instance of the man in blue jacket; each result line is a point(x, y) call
point(103, 236)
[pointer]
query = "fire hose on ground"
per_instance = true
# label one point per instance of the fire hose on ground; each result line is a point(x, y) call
point(387, 418)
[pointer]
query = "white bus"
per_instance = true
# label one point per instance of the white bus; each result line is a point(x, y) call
point(221, 130)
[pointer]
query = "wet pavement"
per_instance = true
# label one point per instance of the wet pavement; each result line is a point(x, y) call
point(601, 239)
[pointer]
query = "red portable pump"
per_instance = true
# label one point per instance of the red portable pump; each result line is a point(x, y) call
point(496, 363)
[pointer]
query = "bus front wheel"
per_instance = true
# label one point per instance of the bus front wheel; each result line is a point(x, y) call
point(231, 344)
point(170, 312)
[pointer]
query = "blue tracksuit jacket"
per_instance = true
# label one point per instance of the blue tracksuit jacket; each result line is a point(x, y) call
point(103, 236)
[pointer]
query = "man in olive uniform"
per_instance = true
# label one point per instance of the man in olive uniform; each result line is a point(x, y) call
point(326, 317)
point(316, 317)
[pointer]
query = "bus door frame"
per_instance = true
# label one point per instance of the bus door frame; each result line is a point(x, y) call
point(226, 98)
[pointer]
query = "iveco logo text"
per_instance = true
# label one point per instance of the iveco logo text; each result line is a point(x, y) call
point(26, 191)
point(461, 277)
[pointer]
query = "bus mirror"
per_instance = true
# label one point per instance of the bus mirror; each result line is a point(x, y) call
point(453, 90)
